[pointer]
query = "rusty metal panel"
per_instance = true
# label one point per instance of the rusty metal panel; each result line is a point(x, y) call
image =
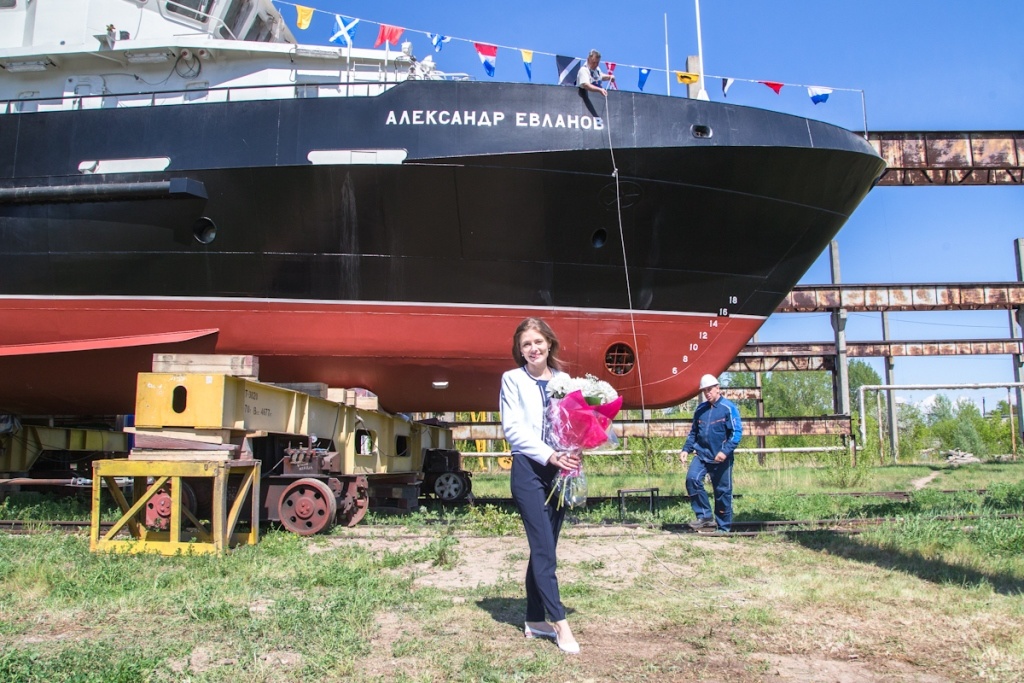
point(947, 297)
point(742, 393)
point(950, 150)
point(925, 297)
point(950, 158)
point(875, 297)
point(806, 300)
point(782, 364)
point(904, 151)
point(997, 296)
point(793, 426)
point(752, 426)
point(918, 297)
point(829, 296)
point(901, 298)
point(993, 150)
point(852, 297)
point(821, 355)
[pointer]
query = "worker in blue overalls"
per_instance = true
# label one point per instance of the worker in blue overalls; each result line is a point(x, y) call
point(715, 433)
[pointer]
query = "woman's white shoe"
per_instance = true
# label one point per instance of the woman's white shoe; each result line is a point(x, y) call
point(531, 632)
point(570, 647)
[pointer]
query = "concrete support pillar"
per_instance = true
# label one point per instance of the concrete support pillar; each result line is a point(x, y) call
point(841, 387)
point(1015, 332)
point(890, 378)
point(761, 440)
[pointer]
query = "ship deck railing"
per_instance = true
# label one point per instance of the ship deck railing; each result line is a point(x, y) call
point(311, 86)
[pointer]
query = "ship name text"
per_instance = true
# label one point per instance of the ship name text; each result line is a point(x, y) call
point(521, 119)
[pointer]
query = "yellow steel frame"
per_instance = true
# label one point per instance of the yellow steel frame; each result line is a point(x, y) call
point(211, 404)
point(19, 452)
point(218, 537)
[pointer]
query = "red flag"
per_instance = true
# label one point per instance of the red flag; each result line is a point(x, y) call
point(388, 34)
point(611, 72)
point(773, 85)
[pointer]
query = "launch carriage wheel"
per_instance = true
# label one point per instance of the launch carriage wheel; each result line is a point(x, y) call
point(159, 507)
point(451, 486)
point(354, 501)
point(307, 507)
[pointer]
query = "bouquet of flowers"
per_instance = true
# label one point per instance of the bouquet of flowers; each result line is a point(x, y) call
point(579, 417)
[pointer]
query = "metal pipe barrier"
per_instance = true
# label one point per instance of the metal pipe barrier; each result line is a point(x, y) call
point(920, 387)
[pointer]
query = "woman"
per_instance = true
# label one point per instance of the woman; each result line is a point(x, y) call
point(535, 465)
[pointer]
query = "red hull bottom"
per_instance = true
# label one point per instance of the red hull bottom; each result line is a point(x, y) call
point(81, 356)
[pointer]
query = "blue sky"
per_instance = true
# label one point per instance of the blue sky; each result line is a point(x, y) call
point(923, 66)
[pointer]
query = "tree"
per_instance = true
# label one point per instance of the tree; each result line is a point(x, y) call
point(958, 426)
point(913, 432)
point(797, 394)
point(861, 374)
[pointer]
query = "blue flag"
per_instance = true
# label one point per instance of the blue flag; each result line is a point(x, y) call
point(644, 73)
point(567, 68)
point(819, 95)
point(345, 30)
point(438, 41)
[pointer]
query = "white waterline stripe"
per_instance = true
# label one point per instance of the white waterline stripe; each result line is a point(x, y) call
point(398, 304)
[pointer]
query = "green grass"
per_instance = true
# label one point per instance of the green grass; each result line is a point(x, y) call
point(801, 479)
point(321, 608)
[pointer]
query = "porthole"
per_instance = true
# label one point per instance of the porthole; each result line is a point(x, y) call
point(204, 230)
point(699, 130)
point(619, 359)
point(599, 238)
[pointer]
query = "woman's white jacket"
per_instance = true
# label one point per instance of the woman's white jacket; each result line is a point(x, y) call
point(522, 414)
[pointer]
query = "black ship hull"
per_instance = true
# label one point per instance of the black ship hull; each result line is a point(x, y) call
point(420, 212)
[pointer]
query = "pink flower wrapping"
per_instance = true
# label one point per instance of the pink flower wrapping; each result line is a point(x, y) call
point(576, 425)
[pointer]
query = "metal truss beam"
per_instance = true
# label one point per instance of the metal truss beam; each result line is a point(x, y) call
point(821, 355)
point(950, 158)
point(966, 296)
point(680, 428)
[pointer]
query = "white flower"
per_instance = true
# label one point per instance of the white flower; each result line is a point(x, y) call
point(562, 384)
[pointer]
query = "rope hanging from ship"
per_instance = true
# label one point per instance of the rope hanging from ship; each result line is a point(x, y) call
point(629, 290)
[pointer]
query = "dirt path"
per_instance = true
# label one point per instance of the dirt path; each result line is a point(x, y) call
point(919, 484)
point(705, 609)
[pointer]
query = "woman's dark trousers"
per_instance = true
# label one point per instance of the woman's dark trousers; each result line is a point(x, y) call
point(531, 483)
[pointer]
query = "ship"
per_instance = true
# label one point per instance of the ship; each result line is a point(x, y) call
point(201, 183)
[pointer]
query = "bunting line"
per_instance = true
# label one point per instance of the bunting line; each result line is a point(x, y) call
point(645, 71)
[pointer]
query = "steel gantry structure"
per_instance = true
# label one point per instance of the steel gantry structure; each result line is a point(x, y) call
point(840, 299)
point(913, 159)
point(950, 158)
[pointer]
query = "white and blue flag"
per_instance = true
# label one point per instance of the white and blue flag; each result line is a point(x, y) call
point(345, 30)
point(438, 41)
point(819, 95)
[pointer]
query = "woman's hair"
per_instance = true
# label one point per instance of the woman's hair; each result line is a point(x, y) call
point(546, 332)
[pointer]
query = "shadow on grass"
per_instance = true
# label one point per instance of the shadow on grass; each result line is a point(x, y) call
point(511, 611)
point(908, 562)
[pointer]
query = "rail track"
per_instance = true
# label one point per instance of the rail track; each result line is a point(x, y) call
point(850, 526)
point(899, 496)
point(740, 528)
point(26, 526)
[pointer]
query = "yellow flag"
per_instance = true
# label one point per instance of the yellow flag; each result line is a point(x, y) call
point(305, 15)
point(686, 77)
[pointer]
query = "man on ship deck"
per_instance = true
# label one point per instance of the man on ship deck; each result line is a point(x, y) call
point(589, 76)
